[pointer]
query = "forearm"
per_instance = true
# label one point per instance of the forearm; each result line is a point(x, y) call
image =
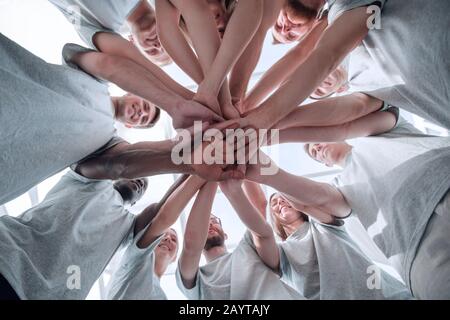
point(115, 45)
point(241, 28)
point(131, 77)
point(256, 195)
point(261, 231)
point(310, 193)
point(244, 67)
point(248, 214)
point(129, 162)
point(174, 41)
point(147, 216)
point(372, 124)
point(330, 112)
point(196, 233)
point(337, 41)
point(171, 209)
point(285, 67)
point(202, 31)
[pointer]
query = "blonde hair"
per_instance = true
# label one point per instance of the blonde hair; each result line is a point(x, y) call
point(277, 225)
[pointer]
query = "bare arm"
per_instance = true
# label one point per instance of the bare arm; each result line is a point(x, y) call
point(115, 45)
point(174, 41)
point(196, 234)
point(320, 196)
point(246, 64)
point(371, 125)
point(337, 41)
point(256, 196)
point(133, 78)
point(331, 111)
point(261, 231)
point(171, 210)
point(284, 68)
point(145, 159)
point(147, 216)
point(241, 28)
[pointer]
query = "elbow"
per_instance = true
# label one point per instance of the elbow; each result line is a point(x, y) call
point(106, 65)
point(191, 243)
point(366, 104)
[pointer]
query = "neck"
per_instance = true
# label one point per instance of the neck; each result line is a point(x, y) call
point(342, 157)
point(293, 226)
point(161, 265)
point(214, 252)
point(142, 10)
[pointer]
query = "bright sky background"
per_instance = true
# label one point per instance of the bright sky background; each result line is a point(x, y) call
point(42, 29)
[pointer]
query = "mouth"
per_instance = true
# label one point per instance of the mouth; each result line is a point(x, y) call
point(165, 246)
point(284, 209)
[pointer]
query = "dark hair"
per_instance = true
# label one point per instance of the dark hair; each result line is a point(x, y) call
point(152, 123)
point(301, 10)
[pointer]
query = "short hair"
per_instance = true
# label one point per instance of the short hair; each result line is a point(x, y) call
point(306, 149)
point(302, 10)
point(152, 123)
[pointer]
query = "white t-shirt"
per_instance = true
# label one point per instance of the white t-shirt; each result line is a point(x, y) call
point(135, 278)
point(92, 16)
point(240, 275)
point(411, 49)
point(61, 116)
point(59, 248)
point(393, 183)
point(322, 262)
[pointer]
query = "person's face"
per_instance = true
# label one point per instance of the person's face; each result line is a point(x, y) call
point(135, 111)
point(216, 235)
point(289, 28)
point(334, 83)
point(168, 246)
point(219, 14)
point(146, 38)
point(131, 190)
point(326, 153)
point(282, 209)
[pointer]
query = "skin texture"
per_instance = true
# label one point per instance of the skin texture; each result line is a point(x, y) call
point(335, 43)
point(197, 228)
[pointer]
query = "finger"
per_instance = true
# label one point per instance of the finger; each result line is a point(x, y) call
point(230, 124)
point(231, 174)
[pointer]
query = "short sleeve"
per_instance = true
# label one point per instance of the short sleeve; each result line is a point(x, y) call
point(194, 292)
point(111, 143)
point(69, 52)
point(338, 7)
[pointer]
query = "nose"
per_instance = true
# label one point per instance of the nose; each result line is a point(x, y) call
point(157, 44)
point(286, 29)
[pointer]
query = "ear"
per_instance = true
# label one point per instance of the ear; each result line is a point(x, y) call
point(226, 236)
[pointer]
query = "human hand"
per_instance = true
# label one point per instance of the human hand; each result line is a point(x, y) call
point(191, 111)
point(208, 100)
